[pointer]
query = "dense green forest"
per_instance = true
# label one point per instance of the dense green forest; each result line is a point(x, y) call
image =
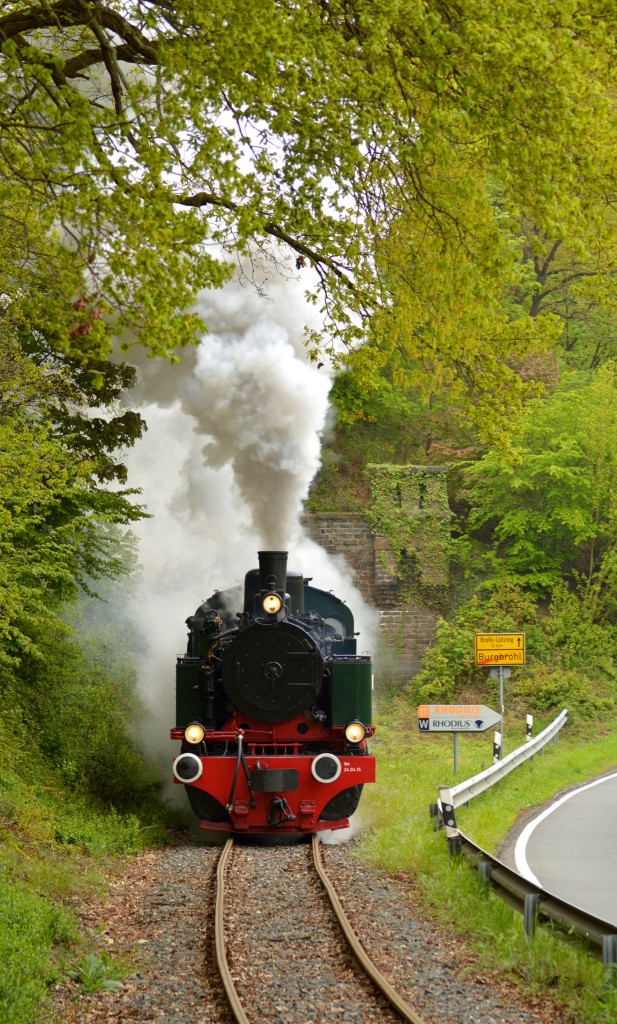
point(533, 546)
point(74, 787)
point(442, 179)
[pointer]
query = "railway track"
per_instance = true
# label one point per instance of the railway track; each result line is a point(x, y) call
point(289, 973)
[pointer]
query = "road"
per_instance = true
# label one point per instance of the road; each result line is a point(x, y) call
point(570, 848)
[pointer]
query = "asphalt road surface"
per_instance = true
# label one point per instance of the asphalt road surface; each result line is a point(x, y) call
point(570, 849)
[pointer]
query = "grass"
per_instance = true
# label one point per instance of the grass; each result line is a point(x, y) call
point(41, 876)
point(572, 761)
point(410, 769)
point(56, 846)
point(32, 927)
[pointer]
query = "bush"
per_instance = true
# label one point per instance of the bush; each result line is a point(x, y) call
point(100, 833)
point(570, 639)
point(78, 702)
point(570, 661)
point(74, 792)
point(546, 690)
point(449, 666)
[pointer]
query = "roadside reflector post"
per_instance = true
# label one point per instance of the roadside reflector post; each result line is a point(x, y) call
point(449, 819)
point(530, 914)
point(609, 959)
point(496, 747)
point(529, 728)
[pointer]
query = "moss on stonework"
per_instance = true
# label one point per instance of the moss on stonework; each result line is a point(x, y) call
point(410, 510)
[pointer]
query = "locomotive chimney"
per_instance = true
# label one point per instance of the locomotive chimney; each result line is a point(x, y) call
point(273, 571)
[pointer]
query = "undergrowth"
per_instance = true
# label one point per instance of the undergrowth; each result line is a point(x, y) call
point(75, 793)
point(55, 847)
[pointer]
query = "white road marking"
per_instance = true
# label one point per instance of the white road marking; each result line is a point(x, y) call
point(520, 850)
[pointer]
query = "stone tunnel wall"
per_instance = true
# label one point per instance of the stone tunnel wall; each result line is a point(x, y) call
point(404, 630)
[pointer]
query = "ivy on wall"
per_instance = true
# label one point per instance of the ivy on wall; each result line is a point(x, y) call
point(410, 510)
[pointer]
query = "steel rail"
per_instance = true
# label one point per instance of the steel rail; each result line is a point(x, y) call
point(219, 938)
point(404, 1010)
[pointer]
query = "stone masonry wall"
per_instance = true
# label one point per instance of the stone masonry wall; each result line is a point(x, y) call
point(405, 630)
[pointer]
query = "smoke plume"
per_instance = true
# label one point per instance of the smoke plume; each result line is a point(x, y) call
point(233, 442)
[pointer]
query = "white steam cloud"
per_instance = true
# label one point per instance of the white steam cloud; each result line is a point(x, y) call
point(233, 442)
point(254, 403)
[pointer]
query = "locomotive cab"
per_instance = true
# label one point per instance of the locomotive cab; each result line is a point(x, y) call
point(273, 709)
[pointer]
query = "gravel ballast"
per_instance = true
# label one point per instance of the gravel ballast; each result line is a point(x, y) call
point(157, 918)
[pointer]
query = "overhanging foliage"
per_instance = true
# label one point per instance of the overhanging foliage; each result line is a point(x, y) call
point(358, 140)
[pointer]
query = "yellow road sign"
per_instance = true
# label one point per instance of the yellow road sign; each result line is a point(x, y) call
point(500, 649)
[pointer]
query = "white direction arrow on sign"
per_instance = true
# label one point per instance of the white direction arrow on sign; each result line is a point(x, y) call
point(456, 718)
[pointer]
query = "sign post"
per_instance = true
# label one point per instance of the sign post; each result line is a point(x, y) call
point(499, 651)
point(502, 706)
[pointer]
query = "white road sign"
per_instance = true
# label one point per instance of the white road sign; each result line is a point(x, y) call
point(456, 718)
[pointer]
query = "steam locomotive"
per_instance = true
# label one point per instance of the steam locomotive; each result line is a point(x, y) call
point(273, 707)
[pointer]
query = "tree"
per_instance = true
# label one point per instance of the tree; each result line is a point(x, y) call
point(56, 525)
point(551, 509)
point(40, 315)
point(575, 279)
point(386, 424)
point(168, 135)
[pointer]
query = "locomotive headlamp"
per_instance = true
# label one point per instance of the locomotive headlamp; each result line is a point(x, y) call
point(194, 733)
point(355, 732)
point(272, 604)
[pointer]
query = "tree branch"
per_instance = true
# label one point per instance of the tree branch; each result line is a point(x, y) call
point(109, 59)
point(70, 13)
point(318, 259)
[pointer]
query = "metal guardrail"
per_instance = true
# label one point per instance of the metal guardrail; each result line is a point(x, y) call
point(534, 903)
point(541, 905)
point(466, 791)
